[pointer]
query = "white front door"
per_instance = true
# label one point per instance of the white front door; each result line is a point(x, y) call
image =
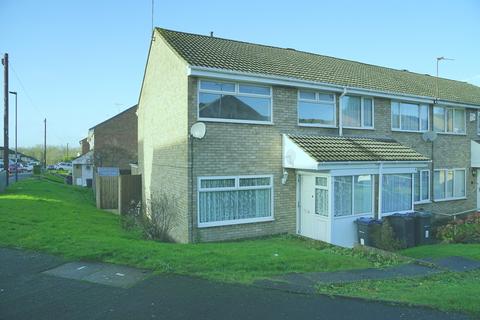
point(312, 224)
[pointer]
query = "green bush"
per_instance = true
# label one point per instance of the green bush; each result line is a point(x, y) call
point(384, 238)
point(461, 230)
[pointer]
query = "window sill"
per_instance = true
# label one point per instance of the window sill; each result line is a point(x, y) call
point(452, 133)
point(449, 199)
point(423, 202)
point(268, 123)
point(359, 128)
point(408, 131)
point(234, 222)
point(316, 125)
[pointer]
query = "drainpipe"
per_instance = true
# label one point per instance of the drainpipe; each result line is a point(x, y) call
point(380, 182)
point(340, 118)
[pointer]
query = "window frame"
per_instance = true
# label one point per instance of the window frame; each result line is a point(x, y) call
point(326, 188)
point(400, 102)
point(317, 100)
point(235, 188)
point(446, 185)
point(429, 199)
point(412, 183)
point(445, 126)
point(353, 197)
point(236, 93)
point(362, 113)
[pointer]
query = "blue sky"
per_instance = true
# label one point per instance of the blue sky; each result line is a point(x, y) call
point(78, 63)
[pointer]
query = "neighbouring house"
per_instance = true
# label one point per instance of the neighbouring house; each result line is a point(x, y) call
point(82, 170)
point(84, 145)
point(297, 142)
point(114, 141)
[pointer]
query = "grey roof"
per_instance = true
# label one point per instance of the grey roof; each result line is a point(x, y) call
point(339, 149)
point(214, 52)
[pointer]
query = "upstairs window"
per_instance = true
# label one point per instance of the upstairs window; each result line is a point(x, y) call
point(316, 109)
point(234, 102)
point(449, 120)
point(357, 112)
point(409, 117)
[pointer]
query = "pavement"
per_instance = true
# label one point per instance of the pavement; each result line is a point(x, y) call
point(40, 286)
point(306, 282)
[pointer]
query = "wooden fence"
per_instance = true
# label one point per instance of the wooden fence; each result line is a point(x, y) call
point(117, 193)
point(129, 192)
point(106, 192)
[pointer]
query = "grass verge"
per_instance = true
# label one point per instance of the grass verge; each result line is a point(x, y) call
point(40, 214)
point(447, 291)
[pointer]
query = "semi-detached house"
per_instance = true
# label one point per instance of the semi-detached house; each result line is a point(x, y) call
point(297, 142)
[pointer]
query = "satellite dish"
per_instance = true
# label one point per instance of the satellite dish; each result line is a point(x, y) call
point(198, 130)
point(429, 136)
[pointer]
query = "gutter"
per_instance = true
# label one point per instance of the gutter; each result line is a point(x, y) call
point(287, 81)
point(340, 112)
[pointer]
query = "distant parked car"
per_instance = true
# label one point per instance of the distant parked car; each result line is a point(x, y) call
point(16, 168)
point(67, 166)
point(51, 167)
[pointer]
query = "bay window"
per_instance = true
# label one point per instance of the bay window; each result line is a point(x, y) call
point(352, 195)
point(316, 109)
point(449, 120)
point(409, 117)
point(396, 192)
point(449, 184)
point(233, 200)
point(234, 102)
point(357, 112)
point(421, 181)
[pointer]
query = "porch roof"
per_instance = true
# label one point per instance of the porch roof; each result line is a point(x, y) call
point(351, 149)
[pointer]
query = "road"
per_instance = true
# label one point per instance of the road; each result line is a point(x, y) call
point(28, 293)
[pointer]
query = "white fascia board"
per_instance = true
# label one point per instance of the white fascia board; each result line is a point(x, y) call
point(475, 154)
point(295, 157)
point(224, 74)
point(372, 167)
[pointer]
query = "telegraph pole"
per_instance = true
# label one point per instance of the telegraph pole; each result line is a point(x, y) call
point(67, 151)
point(45, 144)
point(6, 149)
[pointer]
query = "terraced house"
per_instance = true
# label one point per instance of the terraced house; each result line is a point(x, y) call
point(297, 142)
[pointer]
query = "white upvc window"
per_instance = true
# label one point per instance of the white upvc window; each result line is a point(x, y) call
point(449, 120)
point(316, 109)
point(321, 196)
point(409, 117)
point(357, 112)
point(449, 184)
point(421, 181)
point(234, 200)
point(352, 195)
point(234, 102)
point(397, 192)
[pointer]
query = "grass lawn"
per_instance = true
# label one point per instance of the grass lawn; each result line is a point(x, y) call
point(446, 291)
point(40, 214)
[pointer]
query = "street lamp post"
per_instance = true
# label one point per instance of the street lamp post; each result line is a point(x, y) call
point(16, 153)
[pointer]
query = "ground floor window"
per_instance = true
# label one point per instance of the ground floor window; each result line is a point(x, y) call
point(396, 192)
point(231, 200)
point(352, 195)
point(449, 184)
point(421, 180)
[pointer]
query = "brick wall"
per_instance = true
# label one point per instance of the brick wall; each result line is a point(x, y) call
point(116, 141)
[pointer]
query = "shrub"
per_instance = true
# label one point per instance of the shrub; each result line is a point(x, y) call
point(384, 238)
point(155, 220)
point(465, 230)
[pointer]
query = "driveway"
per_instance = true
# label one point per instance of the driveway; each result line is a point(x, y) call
point(28, 293)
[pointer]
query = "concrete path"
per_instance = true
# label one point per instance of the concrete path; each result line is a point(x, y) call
point(27, 292)
point(306, 282)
